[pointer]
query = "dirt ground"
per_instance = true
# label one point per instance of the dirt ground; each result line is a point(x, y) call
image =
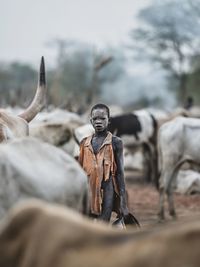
point(143, 203)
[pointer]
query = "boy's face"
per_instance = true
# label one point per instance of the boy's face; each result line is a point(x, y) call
point(99, 119)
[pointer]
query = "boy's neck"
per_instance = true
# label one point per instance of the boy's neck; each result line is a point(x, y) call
point(101, 134)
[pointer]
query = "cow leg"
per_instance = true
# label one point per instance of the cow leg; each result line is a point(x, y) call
point(154, 167)
point(170, 199)
point(155, 175)
point(165, 176)
point(170, 196)
point(150, 163)
point(161, 212)
point(147, 163)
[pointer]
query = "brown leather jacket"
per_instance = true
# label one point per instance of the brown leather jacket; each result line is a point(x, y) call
point(98, 167)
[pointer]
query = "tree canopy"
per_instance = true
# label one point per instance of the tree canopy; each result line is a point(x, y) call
point(169, 35)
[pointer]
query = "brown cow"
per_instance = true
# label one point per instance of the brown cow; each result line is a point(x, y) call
point(43, 235)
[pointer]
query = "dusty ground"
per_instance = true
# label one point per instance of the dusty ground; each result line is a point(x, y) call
point(143, 202)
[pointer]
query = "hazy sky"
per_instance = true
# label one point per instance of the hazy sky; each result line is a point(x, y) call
point(26, 25)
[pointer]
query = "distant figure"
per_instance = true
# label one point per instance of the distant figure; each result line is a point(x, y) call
point(101, 156)
point(189, 102)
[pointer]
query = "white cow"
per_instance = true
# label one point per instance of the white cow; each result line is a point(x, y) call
point(188, 182)
point(12, 126)
point(31, 168)
point(178, 142)
point(138, 128)
point(56, 127)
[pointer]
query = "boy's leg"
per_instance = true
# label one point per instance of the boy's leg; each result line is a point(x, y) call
point(107, 205)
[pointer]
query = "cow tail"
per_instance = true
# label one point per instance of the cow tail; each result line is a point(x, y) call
point(159, 160)
point(154, 141)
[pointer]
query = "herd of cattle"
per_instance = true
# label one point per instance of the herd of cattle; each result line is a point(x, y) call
point(34, 164)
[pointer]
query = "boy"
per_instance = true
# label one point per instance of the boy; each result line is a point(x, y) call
point(101, 156)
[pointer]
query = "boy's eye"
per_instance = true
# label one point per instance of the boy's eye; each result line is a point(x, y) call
point(99, 118)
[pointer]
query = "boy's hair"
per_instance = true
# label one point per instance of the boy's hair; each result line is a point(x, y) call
point(101, 106)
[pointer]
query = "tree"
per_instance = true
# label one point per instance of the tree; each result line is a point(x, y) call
point(169, 34)
point(80, 73)
point(72, 75)
point(17, 83)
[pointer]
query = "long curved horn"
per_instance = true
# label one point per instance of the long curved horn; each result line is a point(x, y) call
point(40, 96)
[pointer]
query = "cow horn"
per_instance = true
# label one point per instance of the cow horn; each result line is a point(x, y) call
point(40, 96)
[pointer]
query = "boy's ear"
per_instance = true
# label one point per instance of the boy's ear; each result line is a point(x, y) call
point(109, 120)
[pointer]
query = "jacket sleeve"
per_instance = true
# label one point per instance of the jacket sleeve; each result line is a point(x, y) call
point(81, 152)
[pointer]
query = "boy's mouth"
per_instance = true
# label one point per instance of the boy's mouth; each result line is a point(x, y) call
point(98, 126)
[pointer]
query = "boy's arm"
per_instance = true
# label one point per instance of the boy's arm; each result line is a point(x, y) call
point(80, 157)
point(119, 160)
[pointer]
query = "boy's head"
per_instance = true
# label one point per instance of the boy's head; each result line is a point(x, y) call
point(100, 106)
point(100, 114)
